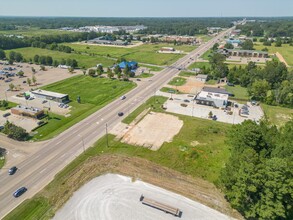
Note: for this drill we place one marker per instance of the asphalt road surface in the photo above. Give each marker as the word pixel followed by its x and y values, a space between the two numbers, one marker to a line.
pixel 40 168
pixel 112 197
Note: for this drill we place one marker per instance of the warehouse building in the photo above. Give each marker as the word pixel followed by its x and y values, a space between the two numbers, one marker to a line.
pixel 211 96
pixel 52 96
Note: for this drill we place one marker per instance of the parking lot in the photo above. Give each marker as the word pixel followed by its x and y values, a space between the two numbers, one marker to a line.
pixel 49 76
pixel 253 112
pixel 246 60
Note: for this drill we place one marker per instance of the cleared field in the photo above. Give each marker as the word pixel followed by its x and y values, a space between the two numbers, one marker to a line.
pixel 147 53
pixel 186 74
pixel 94 93
pixel 286 51
pixel 277 115
pixel 83 60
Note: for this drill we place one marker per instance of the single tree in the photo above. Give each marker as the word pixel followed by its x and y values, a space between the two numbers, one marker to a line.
pixel 29 82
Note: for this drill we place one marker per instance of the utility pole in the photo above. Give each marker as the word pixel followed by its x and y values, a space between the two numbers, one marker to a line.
pixel 107 135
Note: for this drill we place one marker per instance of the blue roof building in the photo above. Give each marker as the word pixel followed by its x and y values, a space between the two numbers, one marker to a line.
pixel 132 65
pixel 234 41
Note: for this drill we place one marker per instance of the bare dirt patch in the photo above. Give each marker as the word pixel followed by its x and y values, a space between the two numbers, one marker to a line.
pixel 192 86
pixel 153 130
pixel 281 58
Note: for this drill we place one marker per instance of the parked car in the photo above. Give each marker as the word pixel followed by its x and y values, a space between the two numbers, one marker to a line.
pixel 214 118
pixel 19 192
pixel 186 100
pixel 138 79
pixel 120 114
pixel 12 170
pixel 123 97
pixel 6 114
pixel 1 127
pixel 44 101
pixel 31 98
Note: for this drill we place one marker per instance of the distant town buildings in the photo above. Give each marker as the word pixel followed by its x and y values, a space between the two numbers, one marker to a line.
pixel 108 42
pixel 106 29
pixel 180 39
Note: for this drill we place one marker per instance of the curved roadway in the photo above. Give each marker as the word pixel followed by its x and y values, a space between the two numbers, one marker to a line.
pixel 40 168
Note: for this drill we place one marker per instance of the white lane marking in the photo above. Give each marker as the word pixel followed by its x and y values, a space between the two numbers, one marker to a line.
pixel 43 170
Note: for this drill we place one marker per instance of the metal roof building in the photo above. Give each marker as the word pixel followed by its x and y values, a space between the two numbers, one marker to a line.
pixel 53 96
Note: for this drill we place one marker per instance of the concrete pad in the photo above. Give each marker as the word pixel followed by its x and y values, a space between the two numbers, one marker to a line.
pixel 153 130
pixel 113 197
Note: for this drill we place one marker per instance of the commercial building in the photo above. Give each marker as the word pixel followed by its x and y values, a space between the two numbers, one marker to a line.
pixel 108 42
pixel 170 49
pixel 244 53
pixel 28 111
pixel 211 96
pixel 132 65
pixel 52 96
pixel 181 39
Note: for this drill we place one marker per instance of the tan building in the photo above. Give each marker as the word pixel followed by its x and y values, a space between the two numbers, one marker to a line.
pixel 27 111
pixel 181 39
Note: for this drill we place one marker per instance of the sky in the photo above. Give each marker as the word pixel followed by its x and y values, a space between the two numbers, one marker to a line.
pixel 147 8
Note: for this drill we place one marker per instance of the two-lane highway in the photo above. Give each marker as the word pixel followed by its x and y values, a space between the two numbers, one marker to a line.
pixel 40 168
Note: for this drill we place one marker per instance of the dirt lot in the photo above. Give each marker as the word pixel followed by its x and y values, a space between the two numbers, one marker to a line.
pixel 113 196
pixel 192 86
pixel 49 76
pixel 153 130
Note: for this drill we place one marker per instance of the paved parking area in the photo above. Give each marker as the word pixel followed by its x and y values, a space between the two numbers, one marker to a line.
pixel 49 76
pixel 202 111
pixel 114 197
pixel 25 122
pixel 246 60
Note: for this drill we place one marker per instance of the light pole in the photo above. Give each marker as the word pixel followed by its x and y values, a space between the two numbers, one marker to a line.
pixel 107 135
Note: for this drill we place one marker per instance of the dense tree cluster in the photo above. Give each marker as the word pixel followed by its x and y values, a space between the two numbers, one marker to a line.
pixel 278 27
pixel 15 132
pixel 258 177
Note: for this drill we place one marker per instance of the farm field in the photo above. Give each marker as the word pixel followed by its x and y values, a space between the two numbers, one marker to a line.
pixel 31 32
pixel 94 94
pixel 286 51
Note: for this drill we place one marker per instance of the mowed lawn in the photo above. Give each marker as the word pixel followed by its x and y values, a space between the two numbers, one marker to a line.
pixel 177 81
pixel 94 93
pixel 147 53
pixel 286 50
pixel 239 92
pixel 83 60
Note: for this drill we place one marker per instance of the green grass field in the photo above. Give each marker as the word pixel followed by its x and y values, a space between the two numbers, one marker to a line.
pixel 31 32
pixel 277 115
pixel 239 92
pixel 186 74
pixel 94 93
pixel 2 162
pixel 206 55
pixel 199 65
pixel 10 105
pixel 167 89
pixel 147 53
pixel 177 81
pixel 83 60
pixel 286 51
pixel 199 150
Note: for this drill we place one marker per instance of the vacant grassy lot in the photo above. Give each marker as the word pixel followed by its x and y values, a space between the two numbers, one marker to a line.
pixel 199 150
pixel 82 59
pixel 177 81
pixel 147 53
pixel 239 92
pixel 151 68
pixel 200 65
pixel 276 114
pixel 94 93
pixel 207 55
pixel 167 89
pixel 186 74
pixel 286 50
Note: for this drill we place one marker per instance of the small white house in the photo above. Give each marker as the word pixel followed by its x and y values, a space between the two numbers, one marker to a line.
pixel 201 77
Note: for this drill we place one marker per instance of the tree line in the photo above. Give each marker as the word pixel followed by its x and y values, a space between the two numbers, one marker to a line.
pixel 41 60
pixel 258 177
pixel 269 28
